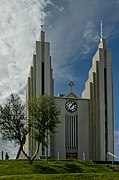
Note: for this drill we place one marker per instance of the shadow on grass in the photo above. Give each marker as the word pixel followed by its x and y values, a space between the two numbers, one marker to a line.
pixel 44 169
pixel 54 169
pixel 73 168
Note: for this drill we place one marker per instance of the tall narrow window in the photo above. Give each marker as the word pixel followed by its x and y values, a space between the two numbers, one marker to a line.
pixel 106 115
pixel 43 78
pixel 71 134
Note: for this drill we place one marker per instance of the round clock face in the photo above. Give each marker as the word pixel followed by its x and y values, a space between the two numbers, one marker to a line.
pixel 71 106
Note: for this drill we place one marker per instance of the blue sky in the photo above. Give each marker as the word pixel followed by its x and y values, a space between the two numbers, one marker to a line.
pixel 73 29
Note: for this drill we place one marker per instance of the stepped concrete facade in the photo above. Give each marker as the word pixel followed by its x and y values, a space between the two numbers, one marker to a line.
pixel 87 123
pixel 99 90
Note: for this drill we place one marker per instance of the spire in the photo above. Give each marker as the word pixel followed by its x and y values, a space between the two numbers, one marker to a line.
pixel 41 22
pixel 101 31
pixel 42 34
pixel 34 51
pixel 102 43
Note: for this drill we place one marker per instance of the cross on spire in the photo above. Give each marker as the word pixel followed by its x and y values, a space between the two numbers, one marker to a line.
pixel 71 84
pixel 101 31
pixel 42 21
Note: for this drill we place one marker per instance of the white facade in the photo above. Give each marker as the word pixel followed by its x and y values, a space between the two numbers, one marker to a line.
pixel 72 137
pixel 40 80
pixel 98 89
pixel 86 130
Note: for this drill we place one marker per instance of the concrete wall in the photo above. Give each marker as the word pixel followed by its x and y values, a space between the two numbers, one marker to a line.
pixel 59 144
pixel 83 127
pixel 40 76
pixel 98 89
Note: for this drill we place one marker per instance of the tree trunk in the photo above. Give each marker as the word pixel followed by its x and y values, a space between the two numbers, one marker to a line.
pixel 36 152
pixel 46 160
pixel 27 156
pixel 19 152
pixel 31 159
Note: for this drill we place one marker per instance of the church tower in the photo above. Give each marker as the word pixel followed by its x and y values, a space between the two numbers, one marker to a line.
pixel 40 79
pixel 99 90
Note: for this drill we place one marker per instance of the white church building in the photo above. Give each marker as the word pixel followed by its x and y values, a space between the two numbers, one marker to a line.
pixel 87 123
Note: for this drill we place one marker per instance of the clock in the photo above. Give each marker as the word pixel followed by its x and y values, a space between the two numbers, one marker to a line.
pixel 71 106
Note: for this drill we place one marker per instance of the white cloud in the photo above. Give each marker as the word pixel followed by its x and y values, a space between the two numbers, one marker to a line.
pixel 77 31
pixel 19 29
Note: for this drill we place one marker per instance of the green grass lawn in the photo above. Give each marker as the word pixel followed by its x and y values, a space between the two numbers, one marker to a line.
pixel 20 169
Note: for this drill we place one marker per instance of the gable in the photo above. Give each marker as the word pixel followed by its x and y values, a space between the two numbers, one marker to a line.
pixel 72 94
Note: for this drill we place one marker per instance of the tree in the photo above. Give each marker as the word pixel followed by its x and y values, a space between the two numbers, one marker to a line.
pixel 42 121
pixel 13 121
pixel 43 118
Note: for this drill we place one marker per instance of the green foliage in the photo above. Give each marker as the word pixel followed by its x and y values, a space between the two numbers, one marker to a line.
pixel 43 117
pixel 13 119
pixel 20 169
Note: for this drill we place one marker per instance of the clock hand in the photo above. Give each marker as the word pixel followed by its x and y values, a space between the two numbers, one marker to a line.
pixel 72 105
